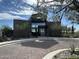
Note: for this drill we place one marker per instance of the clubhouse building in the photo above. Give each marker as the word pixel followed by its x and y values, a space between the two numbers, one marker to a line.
pixel 36 26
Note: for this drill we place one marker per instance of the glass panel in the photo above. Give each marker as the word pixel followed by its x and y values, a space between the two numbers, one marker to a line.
pixel 37 24
pixel 34 26
pixel 33 30
pixel 41 30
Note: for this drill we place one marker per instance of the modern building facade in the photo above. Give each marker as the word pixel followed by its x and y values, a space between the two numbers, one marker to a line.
pixel 0 33
pixel 36 26
pixel 21 28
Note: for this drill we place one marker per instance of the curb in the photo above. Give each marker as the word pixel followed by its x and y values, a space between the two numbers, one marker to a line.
pixel 52 54
pixel 15 41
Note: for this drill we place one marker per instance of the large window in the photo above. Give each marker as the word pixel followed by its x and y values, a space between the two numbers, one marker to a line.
pixel 35 27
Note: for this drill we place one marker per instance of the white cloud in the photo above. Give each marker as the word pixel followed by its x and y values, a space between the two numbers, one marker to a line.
pixel 23 12
pixel 4 15
pixel 70 25
pixel 31 1
pixel 9 16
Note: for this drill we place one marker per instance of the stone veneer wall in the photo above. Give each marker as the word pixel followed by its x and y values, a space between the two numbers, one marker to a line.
pixel 22 29
pixel 54 29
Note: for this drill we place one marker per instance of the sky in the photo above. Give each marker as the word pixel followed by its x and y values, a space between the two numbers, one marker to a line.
pixel 21 9
pixel 6 23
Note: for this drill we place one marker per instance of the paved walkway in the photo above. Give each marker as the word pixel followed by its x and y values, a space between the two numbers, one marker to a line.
pixel 35 49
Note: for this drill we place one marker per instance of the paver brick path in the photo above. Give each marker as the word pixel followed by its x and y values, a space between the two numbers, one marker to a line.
pixel 33 49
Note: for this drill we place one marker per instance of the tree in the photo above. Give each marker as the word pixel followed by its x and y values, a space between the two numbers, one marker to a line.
pixel 66 31
pixel 56 18
pixel 68 8
pixel 7 31
pixel 72 10
pixel 59 5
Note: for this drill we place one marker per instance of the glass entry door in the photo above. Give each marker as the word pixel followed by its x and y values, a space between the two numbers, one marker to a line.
pixel 38 29
pixel 41 30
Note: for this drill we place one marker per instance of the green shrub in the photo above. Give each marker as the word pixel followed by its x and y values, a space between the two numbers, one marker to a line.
pixel 72 58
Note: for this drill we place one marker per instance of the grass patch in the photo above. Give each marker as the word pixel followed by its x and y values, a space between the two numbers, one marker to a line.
pixel 72 58
pixel 76 49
